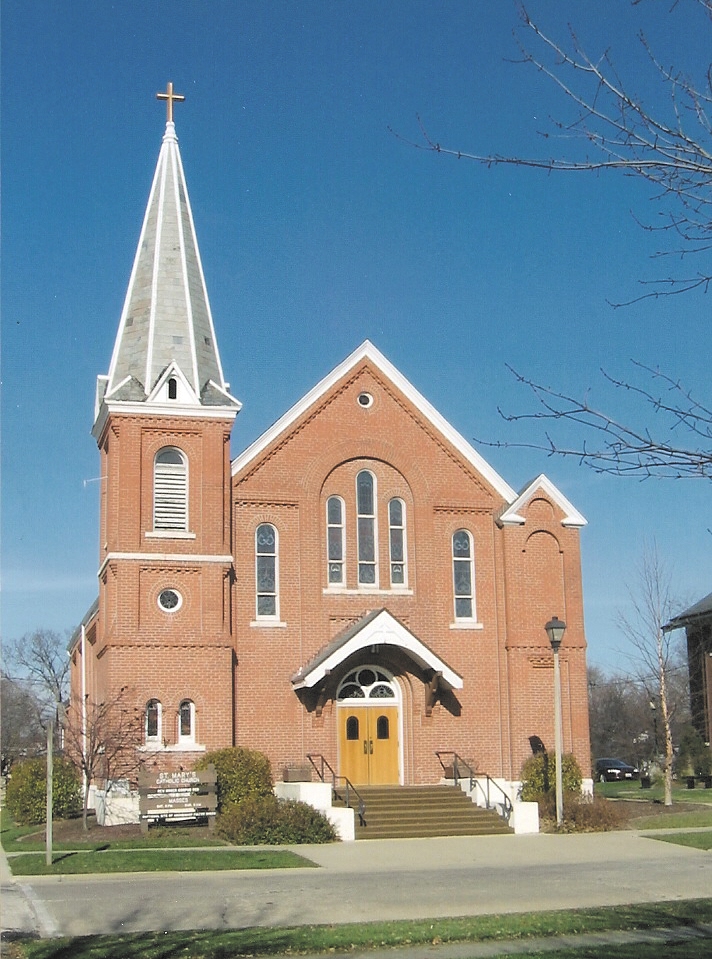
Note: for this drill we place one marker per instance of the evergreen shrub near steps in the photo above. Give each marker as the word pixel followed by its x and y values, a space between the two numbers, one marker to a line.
pixel 26 794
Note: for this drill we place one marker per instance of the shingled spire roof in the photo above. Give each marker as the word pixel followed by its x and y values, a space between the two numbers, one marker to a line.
pixel 166 328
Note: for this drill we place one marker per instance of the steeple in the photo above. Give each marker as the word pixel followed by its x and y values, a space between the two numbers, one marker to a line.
pixel 166 330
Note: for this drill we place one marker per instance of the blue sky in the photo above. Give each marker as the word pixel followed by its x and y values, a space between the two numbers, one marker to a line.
pixel 319 228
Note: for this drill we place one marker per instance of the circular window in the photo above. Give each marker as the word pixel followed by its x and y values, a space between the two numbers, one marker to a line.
pixel 365 400
pixel 170 600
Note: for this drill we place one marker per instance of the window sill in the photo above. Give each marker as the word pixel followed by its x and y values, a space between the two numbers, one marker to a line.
pixel 268 624
pixel 466 624
pixel 367 590
pixel 158 747
pixel 169 534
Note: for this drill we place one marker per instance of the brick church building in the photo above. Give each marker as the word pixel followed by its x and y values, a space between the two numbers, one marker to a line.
pixel 359 584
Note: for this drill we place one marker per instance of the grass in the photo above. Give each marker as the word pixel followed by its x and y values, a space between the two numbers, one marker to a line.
pixel 696 840
pixel 259 941
pixel 680 820
pixel 631 790
pixel 147 860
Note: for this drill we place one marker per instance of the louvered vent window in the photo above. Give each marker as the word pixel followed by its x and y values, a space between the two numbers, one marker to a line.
pixel 170 490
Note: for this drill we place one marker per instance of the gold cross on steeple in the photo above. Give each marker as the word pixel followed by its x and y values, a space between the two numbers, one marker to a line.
pixel 169 96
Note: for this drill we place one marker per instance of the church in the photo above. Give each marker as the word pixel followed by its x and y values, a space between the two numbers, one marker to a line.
pixel 357 589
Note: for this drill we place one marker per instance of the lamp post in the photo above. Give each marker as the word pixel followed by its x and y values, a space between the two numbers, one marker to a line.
pixel 555 631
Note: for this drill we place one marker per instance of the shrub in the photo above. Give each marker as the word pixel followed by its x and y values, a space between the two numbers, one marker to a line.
pixel 538 776
pixel 582 813
pixel 266 820
pixel 695 757
pixel 26 796
pixel 241 773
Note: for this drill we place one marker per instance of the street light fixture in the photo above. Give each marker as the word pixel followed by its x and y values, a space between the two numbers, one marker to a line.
pixel 555 631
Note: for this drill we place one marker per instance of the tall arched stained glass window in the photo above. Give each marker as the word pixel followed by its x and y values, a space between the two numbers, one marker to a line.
pixel 335 546
pixel 463 573
pixel 396 542
pixel 153 721
pixel 266 570
pixel 366 529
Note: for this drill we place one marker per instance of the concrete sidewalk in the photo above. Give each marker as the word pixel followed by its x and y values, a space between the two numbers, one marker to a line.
pixel 367 881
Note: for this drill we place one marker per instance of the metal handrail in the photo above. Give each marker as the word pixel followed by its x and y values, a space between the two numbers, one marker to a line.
pixel 348 785
pixel 459 765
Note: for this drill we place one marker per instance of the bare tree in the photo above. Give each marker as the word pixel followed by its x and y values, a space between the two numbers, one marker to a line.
pixel 41 658
pixel 21 728
pixel 102 742
pixel 669 146
pixel 650 608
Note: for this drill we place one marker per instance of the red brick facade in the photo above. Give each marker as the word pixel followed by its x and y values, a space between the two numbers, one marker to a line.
pixel 358 585
pixel 237 667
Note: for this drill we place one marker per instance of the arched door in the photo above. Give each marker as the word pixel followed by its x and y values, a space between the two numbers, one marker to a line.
pixel 368 717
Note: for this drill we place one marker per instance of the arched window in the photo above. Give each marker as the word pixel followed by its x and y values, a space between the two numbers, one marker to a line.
pixel 186 721
pixel 172 388
pixel 170 490
pixel 352 728
pixel 266 570
pixel 463 574
pixel 366 529
pixel 396 542
pixel 335 540
pixel 153 721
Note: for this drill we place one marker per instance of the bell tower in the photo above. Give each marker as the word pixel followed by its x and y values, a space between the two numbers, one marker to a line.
pixel 163 418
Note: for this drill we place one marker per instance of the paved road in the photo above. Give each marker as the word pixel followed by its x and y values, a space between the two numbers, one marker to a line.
pixel 388 879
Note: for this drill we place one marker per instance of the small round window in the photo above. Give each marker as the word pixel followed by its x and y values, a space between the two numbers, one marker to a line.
pixel 365 400
pixel 170 600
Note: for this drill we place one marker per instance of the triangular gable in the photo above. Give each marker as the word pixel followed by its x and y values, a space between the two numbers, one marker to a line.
pixel 185 392
pixel 377 628
pixel 512 515
pixel 367 351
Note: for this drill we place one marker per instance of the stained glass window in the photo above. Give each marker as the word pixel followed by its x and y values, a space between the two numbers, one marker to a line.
pixel 266 569
pixel 366 528
pixel 463 574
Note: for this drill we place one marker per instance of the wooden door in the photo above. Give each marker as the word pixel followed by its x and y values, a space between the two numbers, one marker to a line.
pixel 369 744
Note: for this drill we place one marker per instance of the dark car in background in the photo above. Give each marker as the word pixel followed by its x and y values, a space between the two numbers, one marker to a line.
pixel 611 770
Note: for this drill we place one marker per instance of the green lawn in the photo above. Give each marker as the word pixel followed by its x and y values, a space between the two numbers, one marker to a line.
pixel 632 790
pixel 147 860
pixel 697 840
pixel 345 938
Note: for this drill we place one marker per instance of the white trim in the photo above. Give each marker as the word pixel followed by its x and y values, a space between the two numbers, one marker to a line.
pixel 367 351
pixel 267 622
pixel 169 534
pixel 343 591
pixel 512 516
pixel 165 558
pixel 382 630
pixel 466 624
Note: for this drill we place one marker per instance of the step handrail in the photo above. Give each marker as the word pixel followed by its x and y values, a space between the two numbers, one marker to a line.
pixel 460 765
pixel 323 765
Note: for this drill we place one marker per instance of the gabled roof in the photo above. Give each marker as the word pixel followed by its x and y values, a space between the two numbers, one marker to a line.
pixel 512 515
pixel 368 352
pixel 701 610
pixel 166 317
pixel 377 628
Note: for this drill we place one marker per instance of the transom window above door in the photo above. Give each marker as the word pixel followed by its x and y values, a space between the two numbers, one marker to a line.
pixel 366 682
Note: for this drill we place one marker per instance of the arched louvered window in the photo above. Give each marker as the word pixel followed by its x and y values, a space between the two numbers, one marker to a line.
pixel 463 573
pixel 396 542
pixel 170 490
pixel 366 529
pixel 335 545
pixel 266 570
pixel 153 721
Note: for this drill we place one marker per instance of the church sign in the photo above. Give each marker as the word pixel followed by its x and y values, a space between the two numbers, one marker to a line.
pixel 178 796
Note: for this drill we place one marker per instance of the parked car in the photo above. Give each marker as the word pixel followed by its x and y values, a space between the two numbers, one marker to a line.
pixel 610 770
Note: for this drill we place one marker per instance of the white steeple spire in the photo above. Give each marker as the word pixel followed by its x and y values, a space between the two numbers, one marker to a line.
pixel 166 319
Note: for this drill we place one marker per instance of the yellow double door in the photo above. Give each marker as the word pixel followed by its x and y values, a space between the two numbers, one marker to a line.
pixel 368 744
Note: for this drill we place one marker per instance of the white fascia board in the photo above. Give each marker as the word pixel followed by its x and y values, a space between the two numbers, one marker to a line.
pixel 384 630
pixel 367 351
pixel 189 558
pixel 512 516
pixel 119 408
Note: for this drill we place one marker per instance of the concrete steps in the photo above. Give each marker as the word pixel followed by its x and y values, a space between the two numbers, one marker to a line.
pixel 400 812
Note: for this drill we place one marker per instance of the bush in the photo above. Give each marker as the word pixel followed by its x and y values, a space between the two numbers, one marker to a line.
pixel 695 756
pixel 26 796
pixel 582 813
pixel 242 774
pixel 267 820
pixel 538 776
